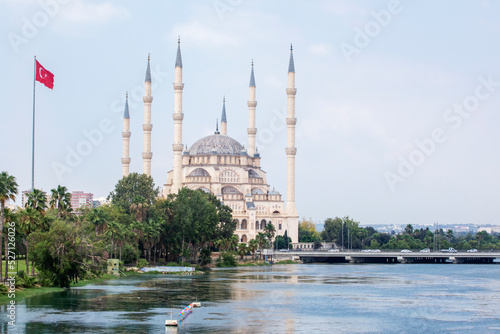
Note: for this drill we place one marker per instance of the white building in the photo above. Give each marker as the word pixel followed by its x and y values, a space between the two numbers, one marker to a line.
pixel 220 165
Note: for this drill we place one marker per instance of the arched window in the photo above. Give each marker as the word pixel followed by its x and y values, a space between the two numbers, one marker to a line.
pixel 237 224
pixel 229 176
pixel 244 238
pixel 262 224
pixel 244 224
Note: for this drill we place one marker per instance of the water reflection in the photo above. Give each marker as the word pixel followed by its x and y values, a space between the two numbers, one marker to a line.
pixel 279 299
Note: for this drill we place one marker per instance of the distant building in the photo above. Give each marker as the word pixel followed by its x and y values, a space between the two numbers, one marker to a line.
pixel 491 229
pixel 80 199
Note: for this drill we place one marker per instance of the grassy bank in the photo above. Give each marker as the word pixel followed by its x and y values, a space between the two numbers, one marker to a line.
pixel 22 293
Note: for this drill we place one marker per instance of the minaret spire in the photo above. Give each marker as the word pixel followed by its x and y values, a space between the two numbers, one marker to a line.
pixel 126 140
pixel 252 104
pixel 217 127
pixel 178 117
pixel 291 150
pixel 223 119
pixel 147 126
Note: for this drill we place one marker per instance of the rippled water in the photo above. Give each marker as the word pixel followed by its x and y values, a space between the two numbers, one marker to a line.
pixel 302 298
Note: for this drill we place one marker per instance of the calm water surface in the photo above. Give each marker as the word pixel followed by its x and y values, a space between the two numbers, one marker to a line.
pixel 302 298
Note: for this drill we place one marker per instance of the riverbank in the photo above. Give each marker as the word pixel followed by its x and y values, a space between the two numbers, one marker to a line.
pixel 22 293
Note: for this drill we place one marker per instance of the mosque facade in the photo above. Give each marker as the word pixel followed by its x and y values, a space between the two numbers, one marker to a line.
pixel 220 165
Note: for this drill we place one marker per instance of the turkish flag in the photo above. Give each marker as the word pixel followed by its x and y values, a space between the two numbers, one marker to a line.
pixel 44 76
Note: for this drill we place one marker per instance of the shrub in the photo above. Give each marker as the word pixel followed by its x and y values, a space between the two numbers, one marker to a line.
pixel 129 253
pixel 227 259
pixel 142 263
pixel 3 289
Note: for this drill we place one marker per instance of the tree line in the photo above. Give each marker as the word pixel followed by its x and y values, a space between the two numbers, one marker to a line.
pixel 136 227
pixel 347 234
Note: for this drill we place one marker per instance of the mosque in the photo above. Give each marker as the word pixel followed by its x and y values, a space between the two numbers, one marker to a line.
pixel 220 165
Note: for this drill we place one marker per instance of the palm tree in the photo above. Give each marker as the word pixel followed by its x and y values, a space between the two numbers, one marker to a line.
pixel 37 200
pixel 152 232
pixel 409 229
pixel 29 219
pixel 449 234
pixel 99 219
pixel 252 247
pixel 10 218
pixel 261 240
pixel 242 249
pixel 233 242
pixel 270 231
pixel 61 199
pixel 139 207
pixel 8 190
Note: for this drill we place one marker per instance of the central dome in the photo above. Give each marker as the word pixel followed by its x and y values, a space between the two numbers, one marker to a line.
pixel 216 144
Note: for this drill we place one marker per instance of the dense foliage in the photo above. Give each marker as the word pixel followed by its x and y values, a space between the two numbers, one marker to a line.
pixel 346 233
pixel 137 228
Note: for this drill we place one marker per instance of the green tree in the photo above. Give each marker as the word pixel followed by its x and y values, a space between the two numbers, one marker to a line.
pixel 242 249
pixel 8 191
pixel 449 234
pixel 270 231
pixel 232 243
pixel 281 242
pixel 262 241
pixel 131 187
pixel 409 229
pixel 332 231
pixel 99 218
pixel 252 247
pixel 37 200
pixel 61 200
pixel 196 218
pixel 29 220
pixel 66 253
pixel 307 231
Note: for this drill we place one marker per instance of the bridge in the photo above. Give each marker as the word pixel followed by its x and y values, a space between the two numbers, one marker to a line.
pixel 390 257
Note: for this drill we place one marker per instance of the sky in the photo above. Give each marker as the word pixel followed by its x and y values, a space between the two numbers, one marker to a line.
pixel 397 101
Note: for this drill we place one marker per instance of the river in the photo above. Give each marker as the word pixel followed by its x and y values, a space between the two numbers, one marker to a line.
pixel 301 298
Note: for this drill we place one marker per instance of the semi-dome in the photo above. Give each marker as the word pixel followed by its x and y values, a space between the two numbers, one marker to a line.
pixel 216 144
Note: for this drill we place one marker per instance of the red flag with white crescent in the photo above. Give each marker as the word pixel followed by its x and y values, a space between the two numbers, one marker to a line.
pixel 44 76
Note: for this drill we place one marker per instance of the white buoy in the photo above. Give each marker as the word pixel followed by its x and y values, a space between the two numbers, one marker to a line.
pixel 196 304
pixel 170 322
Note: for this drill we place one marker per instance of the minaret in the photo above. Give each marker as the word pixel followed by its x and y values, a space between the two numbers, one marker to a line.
pixel 147 126
pixel 290 207
pixel 223 119
pixel 178 117
pixel 252 130
pixel 126 141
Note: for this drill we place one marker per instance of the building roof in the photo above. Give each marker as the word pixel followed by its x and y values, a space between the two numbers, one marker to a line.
pixel 199 172
pixel 216 144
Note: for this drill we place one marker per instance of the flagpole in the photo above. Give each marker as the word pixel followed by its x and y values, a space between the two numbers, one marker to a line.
pixel 33 138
